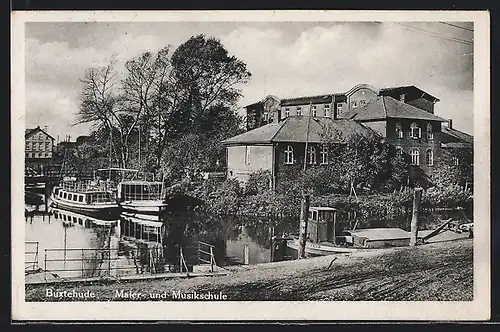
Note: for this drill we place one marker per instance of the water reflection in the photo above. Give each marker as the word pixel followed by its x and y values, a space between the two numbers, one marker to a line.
pixel 75 245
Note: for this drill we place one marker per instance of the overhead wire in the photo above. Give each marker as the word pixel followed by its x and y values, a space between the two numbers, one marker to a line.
pixel 436 35
pixel 457 26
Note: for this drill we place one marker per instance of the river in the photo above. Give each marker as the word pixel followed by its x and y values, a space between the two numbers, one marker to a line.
pixel 237 240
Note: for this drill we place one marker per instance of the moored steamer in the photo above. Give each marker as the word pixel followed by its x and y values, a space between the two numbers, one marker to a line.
pixel 88 197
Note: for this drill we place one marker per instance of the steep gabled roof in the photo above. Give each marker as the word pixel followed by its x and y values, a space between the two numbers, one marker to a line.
pixel 385 107
pixel 29 131
pixel 294 130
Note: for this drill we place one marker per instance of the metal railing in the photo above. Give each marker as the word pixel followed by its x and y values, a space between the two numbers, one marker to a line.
pixel 31 263
pixel 74 263
pixel 112 262
pixel 88 185
pixel 149 196
pixel 206 255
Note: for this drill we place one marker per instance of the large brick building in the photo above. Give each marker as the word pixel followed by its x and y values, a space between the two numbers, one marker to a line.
pixel 403 116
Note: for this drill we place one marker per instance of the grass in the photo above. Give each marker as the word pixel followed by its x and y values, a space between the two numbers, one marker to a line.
pixel 434 272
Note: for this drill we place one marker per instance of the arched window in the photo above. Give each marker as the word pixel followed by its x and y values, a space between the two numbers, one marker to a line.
pixel 415 157
pixel 399 151
pixel 324 155
pixel 430 134
pixel 429 157
pixel 399 130
pixel 415 131
pixel 311 151
pixel 289 154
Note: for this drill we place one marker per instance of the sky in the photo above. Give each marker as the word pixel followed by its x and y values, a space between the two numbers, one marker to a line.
pixel 286 59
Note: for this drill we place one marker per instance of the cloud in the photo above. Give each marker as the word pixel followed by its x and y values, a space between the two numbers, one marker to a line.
pixel 326 59
pixel 285 60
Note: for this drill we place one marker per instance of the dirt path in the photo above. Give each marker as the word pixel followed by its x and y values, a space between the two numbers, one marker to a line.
pixel 441 271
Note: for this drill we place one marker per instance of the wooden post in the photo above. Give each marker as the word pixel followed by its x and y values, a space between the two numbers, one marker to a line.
pixel 414 219
pixel 304 215
pixel 272 243
pixel 246 255
pixel 212 259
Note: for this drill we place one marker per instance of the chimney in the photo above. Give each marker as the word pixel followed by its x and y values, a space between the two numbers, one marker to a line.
pixel 450 123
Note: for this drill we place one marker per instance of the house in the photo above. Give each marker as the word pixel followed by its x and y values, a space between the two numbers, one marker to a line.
pixel 403 116
pixel 279 146
pixel 39 148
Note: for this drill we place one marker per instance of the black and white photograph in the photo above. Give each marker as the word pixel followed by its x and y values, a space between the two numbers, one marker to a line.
pixel 260 165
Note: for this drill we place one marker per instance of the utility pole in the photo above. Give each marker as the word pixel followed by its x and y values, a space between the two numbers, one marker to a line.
pixel 414 218
pixel 304 206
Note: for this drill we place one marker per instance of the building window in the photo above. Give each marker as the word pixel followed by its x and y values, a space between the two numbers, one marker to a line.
pixel 327 110
pixel 415 131
pixel 28 145
pixel 40 136
pixel 266 116
pixel 399 130
pixel 311 151
pixel 287 112
pixel 399 151
pixel 324 155
pixel 402 97
pixel 455 161
pixel 289 155
pixel 429 157
pixel 415 157
pixel 299 111
pixel 339 109
pixel 313 111
pixel 247 155
pixel 30 155
pixel 430 134
pixel 354 104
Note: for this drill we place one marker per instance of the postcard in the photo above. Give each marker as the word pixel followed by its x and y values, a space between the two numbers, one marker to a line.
pixel 250 165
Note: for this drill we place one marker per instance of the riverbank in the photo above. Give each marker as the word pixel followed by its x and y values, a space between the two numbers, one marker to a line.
pixel 439 271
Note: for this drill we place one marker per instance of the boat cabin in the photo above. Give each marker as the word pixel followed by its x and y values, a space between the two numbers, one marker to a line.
pixel 321 224
pixel 141 191
pixel 89 197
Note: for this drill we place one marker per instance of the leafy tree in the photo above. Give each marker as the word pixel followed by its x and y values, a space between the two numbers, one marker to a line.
pixel 454 167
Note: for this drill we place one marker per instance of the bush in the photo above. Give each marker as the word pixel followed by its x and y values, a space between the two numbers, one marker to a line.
pixel 258 183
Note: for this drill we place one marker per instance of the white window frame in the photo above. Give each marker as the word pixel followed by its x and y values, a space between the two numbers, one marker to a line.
pixel 287 112
pixel 311 154
pixel 429 161
pixel 430 134
pixel 266 116
pixel 299 111
pixel 327 109
pixel 455 161
pixel 415 157
pixel 399 130
pixel 314 111
pixel 414 126
pixel 400 151
pixel 289 155
pixel 324 155
pixel 247 155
